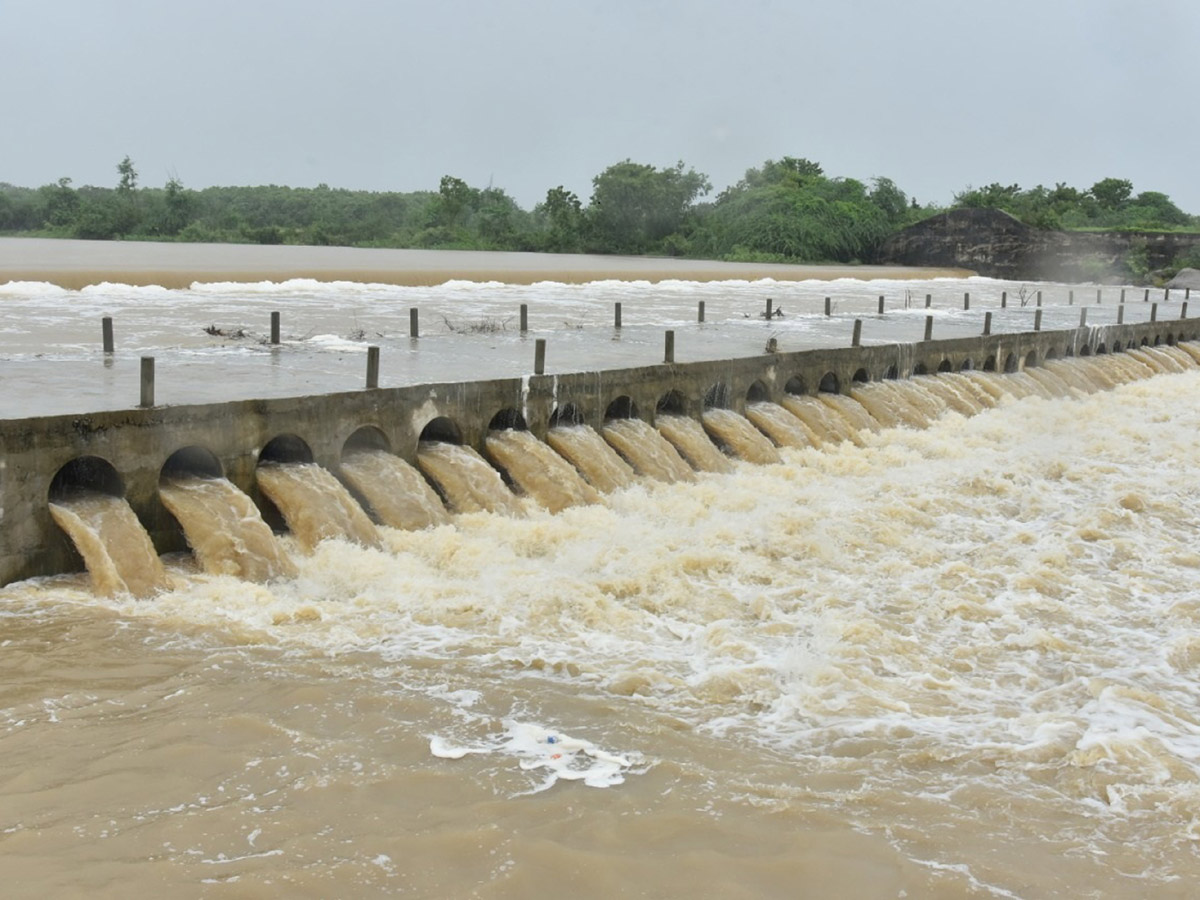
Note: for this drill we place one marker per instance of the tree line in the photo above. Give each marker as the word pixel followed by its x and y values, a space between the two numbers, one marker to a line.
pixel 785 210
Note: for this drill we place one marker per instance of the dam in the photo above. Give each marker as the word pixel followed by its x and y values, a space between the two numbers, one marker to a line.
pixel 946 647
pixel 707 411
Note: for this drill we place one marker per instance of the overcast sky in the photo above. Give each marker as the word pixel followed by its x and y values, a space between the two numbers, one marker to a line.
pixel 530 94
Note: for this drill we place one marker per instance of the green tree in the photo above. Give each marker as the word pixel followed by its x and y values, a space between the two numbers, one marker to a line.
pixel 635 207
pixel 128 183
pixel 788 210
pixel 61 203
pixel 1111 193
pixel 127 212
pixel 456 199
pixel 561 215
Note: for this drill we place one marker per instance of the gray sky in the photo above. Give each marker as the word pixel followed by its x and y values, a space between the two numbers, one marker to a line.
pixel 529 94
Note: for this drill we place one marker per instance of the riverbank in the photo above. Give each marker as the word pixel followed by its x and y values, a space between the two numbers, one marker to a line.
pixel 76 264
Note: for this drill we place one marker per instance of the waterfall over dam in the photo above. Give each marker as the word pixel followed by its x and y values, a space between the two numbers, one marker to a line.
pixel 166 480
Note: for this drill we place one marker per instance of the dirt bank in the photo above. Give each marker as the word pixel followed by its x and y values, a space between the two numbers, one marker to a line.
pixel 76 264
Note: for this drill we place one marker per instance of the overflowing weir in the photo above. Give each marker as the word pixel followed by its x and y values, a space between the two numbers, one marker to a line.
pixel 114 490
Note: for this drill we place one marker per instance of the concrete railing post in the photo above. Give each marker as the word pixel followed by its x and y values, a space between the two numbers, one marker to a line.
pixel 856 338
pixel 1122 300
pixel 106 334
pixel 616 315
pixel 274 328
pixel 987 323
pixel 1099 294
pixel 1037 320
pixel 928 300
pixel 1070 298
pixel 1153 312
pixel 1183 310
pixel 881 305
pixel 700 311
pixel 829 306
pixel 1039 298
pixel 1082 316
pixel 1004 299
pixel 669 347
pixel 929 328
pixel 414 325
pixel 539 356
pixel 372 367
pixel 966 301
pixel 1121 314
pixel 1146 296
pixel 770 311
pixel 524 317
pixel 147 381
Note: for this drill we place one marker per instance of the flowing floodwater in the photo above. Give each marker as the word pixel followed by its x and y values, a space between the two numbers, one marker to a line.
pixel 942 661
pixel 395 490
pixel 315 504
pixel 538 470
pixel 113 543
pixel 224 529
pixel 599 463
pixel 689 438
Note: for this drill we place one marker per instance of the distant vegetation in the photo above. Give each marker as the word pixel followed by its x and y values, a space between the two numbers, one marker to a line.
pixel 785 210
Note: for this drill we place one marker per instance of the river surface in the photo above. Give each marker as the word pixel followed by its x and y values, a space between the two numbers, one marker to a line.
pixel 211 340
pixel 952 662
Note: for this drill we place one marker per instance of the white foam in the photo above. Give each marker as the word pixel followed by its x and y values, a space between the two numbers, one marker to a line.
pixel 553 755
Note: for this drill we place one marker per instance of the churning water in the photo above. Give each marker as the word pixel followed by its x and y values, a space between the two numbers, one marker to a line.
pixel 951 654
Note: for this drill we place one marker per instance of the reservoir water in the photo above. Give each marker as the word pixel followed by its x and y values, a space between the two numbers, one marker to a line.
pixel 950 654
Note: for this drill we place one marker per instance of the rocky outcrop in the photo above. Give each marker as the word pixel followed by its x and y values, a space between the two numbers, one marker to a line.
pixel 1185 278
pixel 996 244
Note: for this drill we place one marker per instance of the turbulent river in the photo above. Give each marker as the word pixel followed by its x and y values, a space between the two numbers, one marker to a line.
pixel 942 661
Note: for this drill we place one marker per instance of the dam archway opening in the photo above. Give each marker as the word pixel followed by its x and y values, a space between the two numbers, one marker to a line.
pixel 717 396
pixel 671 404
pixel 621 408
pixel 286 448
pixel 758 393
pixel 1031 360
pixel 989 364
pixel 829 384
pixel 944 366
pixel 441 430
pixel 892 373
pixel 191 462
pixel 1011 364
pixel 919 369
pixel 366 439
pixel 968 365
pixel 566 414
pixel 861 377
pixel 508 420
pixel 86 474
pixel 795 385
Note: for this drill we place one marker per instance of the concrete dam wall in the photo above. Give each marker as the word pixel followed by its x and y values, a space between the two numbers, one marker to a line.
pixel 128 452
